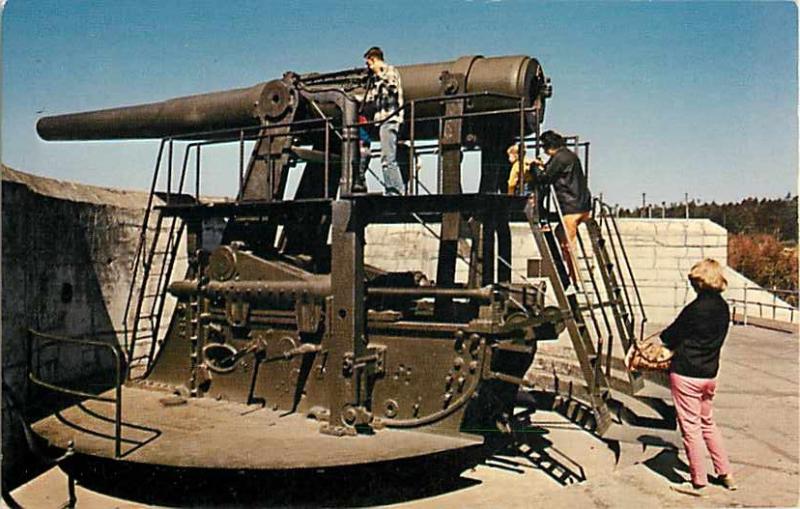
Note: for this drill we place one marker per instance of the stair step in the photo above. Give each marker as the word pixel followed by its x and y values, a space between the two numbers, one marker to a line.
pixel 593 306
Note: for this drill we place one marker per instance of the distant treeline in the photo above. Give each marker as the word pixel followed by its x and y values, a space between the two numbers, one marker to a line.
pixel 766 261
pixel 762 240
pixel 776 217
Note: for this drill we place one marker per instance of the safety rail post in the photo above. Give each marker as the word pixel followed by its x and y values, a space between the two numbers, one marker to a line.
pixel 169 169
pixel 197 173
pixel 241 161
pixel 327 156
pixel 270 185
pixel 521 150
pixel 184 166
pixel 744 318
pixel 774 302
pixel 117 399
pixel 439 176
pixel 586 162
pixel 412 156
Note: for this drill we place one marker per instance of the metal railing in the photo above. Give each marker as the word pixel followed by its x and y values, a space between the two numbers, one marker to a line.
pixel 331 126
pixel 766 310
pixel 746 303
pixel 118 355
pixel 626 277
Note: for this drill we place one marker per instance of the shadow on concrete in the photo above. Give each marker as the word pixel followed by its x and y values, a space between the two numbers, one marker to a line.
pixel 669 465
pixel 356 486
pixel 529 448
pixel 29 459
pixel 129 445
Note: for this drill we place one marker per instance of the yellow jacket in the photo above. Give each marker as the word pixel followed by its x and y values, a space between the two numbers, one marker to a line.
pixel 513 176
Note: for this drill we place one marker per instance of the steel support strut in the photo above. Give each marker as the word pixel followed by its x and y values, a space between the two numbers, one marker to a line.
pixel 347 340
pixel 450 141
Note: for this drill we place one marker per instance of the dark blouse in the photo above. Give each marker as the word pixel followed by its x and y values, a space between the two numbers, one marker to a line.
pixel 696 336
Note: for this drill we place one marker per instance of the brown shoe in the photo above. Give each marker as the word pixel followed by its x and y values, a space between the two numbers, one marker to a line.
pixel 728 481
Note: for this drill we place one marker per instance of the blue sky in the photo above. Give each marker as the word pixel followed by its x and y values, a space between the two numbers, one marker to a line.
pixel 675 97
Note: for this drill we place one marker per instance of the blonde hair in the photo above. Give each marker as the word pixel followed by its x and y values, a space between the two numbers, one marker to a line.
pixel 707 275
pixel 513 149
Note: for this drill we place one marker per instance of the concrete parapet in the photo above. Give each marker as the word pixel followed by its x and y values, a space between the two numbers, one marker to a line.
pixel 660 251
pixel 68 251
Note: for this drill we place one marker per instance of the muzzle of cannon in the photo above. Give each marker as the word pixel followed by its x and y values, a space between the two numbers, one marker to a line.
pixel 505 81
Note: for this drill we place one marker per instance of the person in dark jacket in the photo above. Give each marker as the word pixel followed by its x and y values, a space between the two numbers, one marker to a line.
pixel 565 173
pixel 696 336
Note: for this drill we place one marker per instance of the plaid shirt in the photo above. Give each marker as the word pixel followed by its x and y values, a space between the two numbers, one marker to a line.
pixel 387 94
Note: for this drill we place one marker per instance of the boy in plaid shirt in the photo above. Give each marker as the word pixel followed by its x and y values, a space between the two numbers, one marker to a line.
pixel 386 96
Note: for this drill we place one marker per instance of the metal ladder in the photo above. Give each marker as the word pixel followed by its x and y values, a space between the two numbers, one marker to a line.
pixel 588 354
pixel 601 307
pixel 152 268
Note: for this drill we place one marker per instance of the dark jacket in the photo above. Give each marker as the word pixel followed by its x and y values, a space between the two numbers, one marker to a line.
pixel 565 173
pixel 696 336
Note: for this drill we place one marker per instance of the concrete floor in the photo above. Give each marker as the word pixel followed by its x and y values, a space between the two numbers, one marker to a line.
pixel 756 407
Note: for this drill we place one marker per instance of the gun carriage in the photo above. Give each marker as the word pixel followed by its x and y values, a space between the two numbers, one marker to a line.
pixel 339 362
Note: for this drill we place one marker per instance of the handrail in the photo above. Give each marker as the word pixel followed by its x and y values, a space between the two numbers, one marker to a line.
pixel 117 399
pixel 236 130
pixel 407 105
pixel 630 273
pixel 604 220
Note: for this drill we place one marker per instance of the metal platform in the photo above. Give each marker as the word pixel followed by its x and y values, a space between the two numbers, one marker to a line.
pixel 379 208
pixel 205 433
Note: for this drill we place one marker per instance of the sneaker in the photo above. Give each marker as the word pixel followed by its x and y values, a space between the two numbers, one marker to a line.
pixel 695 490
pixel 728 482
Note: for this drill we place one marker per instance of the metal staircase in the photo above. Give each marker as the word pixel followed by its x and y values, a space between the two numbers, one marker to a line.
pixel 152 268
pixel 599 307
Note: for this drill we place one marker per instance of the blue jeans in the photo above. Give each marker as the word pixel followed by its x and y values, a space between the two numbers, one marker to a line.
pixel 392 178
pixel 363 165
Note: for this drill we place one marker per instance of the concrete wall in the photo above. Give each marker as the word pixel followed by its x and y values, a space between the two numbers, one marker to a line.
pixel 661 252
pixel 68 250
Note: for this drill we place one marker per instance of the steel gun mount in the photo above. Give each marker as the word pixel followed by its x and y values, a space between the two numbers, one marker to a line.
pixel 277 314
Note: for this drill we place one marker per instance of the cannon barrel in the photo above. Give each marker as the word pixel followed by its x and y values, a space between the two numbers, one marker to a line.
pixel 517 76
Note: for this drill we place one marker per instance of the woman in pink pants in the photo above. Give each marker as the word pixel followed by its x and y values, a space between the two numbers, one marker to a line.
pixel 696 337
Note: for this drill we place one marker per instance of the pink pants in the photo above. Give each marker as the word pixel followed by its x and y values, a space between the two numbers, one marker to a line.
pixel 692 398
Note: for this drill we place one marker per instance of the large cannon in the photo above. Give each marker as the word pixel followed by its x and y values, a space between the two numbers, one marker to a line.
pixel 282 332
pixel 510 78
